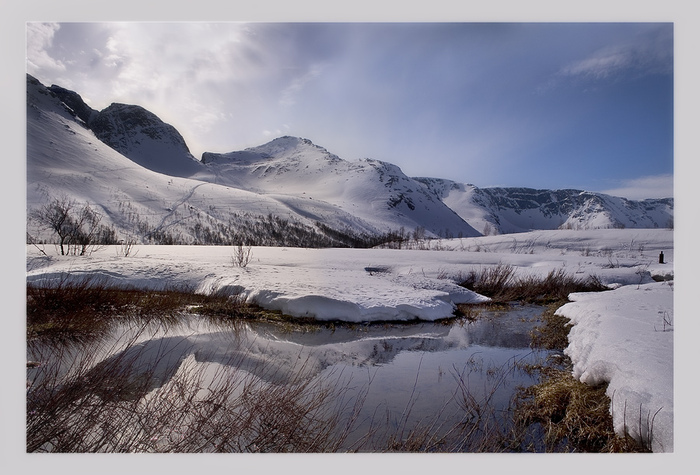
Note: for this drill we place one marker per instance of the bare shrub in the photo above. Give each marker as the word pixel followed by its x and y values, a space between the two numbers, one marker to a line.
pixel 666 322
pixel 126 247
pixel 78 228
pixel 241 255
pixel 490 280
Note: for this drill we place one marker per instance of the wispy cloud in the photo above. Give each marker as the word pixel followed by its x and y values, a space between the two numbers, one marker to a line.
pixel 39 39
pixel 290 93
pixel 650 53
pixel 660 186
pixel 432 98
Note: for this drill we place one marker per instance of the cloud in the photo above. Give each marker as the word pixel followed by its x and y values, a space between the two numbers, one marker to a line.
pixel 39 39
pixel 290 93
pixel 457 93
pixel 659 186
pixel 648 53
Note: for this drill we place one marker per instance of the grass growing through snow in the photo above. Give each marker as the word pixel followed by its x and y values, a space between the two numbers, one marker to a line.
pixel 567 414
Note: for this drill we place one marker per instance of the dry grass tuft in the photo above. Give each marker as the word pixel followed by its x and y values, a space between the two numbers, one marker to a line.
pixel 553 332
pixel 500 283
pixel 572 415
pixel 569 412
pixel 77 311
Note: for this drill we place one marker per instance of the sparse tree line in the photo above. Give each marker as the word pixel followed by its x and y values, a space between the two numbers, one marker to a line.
pixel 418 239
pixel 78 229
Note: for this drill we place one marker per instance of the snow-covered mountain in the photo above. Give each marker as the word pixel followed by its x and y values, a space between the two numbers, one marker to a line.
pixel 66 161
pixel 138 172
pixel 135 133
pixel 292 168
pixel 513 210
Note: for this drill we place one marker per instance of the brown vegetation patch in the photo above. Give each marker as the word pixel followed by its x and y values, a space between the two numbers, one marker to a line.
pixel 80 310
pixel 500 283
pixel 553 331
pixel 571 415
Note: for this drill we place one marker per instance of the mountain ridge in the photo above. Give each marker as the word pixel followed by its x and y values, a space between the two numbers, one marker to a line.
pixel 295 166
pixel 504 210
pixel 134 132
pixel 127 160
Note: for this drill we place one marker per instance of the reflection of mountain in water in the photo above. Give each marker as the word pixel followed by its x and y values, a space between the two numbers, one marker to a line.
pixel 280 357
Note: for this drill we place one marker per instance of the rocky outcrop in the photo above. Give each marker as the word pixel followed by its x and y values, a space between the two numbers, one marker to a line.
pixel 75 103
pixel 143 137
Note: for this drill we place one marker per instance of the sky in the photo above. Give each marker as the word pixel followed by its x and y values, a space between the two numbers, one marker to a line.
pixel 542 105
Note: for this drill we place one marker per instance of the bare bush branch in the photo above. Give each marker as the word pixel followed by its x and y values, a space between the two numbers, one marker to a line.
pixel 241 255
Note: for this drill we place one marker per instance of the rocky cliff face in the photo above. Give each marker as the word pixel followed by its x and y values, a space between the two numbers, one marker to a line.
pixel 134 132
pixel 75 102
pixel 509 210
pixel 141 136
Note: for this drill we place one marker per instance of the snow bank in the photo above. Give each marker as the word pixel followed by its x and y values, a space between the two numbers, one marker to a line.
pixel 326 284
pixel 624 337
pixel 342 284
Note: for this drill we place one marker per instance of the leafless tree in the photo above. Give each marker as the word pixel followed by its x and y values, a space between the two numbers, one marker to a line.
pixel 77 227
pixel 56 216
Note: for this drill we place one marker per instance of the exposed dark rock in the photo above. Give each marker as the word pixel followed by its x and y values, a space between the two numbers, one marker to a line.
pixel 75 102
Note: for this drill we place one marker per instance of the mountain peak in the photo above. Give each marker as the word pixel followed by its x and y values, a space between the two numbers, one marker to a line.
pixel 285 148
pixel 286 145
pixel 142 136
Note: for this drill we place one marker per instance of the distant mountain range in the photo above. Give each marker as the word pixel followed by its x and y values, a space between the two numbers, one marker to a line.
pixel 512 210
pixel 138 172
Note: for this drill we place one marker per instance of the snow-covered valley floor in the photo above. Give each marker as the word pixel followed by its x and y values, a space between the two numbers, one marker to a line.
pixel 624 337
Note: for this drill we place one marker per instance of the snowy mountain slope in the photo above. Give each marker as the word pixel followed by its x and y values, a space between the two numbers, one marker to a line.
pixel 135 133
pixel 66 159
pixel 375 191
pixel 369 196
pixel 512 210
